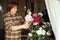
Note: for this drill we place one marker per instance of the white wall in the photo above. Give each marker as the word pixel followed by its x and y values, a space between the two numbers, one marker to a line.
pixel 54 15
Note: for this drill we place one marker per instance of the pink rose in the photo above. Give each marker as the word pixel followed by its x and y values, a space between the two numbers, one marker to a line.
pixel 35 15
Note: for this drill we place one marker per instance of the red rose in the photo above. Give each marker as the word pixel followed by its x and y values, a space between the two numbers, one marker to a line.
pixel 36 20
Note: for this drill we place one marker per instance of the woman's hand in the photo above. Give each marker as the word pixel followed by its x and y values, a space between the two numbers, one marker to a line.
pixel 24 26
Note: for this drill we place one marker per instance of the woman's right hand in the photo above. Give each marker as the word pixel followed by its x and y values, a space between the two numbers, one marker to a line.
pixel 26 26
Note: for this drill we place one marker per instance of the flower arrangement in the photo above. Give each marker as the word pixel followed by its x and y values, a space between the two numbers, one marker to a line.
pixel 28 17
pixel 39 29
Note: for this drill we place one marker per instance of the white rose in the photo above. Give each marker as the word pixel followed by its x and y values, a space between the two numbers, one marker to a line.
pixel 48 33
pixel 43 32
pixel 40 28
pixel 30 34
pixel 48 23
pixel 35 23
pixel 43 26
pixel 38 32
pixel 40 14
pixel 44 22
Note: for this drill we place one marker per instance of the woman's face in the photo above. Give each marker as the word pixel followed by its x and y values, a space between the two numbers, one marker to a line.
pixel 14 10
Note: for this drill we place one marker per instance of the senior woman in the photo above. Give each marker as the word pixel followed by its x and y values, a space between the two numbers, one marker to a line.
pixel 13 22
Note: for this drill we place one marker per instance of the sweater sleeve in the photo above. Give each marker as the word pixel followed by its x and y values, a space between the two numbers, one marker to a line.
pixel 7 22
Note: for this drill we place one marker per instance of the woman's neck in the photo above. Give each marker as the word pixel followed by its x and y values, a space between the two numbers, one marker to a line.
pixel 13 14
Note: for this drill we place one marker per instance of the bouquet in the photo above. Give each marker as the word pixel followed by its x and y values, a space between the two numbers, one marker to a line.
pixel 39 29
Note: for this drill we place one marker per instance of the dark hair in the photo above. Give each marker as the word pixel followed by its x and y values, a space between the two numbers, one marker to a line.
pixel 11 5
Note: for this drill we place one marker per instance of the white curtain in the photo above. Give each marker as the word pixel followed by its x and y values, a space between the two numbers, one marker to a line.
pixel 54 15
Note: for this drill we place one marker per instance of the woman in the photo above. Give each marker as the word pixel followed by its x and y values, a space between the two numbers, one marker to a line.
pixel 13 22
